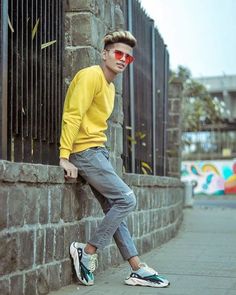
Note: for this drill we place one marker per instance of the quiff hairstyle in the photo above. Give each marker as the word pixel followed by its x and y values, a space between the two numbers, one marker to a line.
pixel 119 37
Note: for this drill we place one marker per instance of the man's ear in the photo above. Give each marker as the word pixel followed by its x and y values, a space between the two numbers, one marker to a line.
pixel 103 54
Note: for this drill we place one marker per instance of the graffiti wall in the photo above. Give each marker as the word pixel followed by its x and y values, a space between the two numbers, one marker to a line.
pixel 215 177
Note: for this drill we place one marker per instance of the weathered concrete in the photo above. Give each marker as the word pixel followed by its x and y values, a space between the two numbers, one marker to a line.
pixel 199 260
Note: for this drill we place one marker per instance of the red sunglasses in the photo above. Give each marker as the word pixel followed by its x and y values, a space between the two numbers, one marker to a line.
pixel 120 54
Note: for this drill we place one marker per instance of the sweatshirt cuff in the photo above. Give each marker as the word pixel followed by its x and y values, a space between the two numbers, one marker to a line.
pixel 64 153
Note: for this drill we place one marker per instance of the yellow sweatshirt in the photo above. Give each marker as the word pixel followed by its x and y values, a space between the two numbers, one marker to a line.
pixel 88 104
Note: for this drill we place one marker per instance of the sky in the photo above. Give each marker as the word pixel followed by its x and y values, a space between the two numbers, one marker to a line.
pixel 199 34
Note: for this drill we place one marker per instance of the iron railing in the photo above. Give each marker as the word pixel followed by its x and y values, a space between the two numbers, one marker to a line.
pixel 145 89
pixel 34 94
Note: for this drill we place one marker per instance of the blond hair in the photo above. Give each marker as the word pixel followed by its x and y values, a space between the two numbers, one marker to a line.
pixel 119 37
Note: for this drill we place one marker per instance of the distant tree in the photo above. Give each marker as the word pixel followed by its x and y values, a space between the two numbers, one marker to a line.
pixel 198 106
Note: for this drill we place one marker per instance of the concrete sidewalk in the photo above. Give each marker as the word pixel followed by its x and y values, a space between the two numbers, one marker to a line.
pixel 201 260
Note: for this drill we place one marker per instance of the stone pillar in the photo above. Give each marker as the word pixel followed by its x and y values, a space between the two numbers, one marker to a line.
pixel 86 22
pixel 174 129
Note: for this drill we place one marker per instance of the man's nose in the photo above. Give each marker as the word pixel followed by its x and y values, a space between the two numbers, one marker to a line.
pixel 123 57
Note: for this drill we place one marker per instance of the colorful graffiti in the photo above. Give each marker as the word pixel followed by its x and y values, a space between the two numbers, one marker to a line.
pixel 216 177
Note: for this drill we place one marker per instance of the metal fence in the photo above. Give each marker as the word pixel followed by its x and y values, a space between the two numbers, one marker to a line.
pixel 31 101
pixel 145 97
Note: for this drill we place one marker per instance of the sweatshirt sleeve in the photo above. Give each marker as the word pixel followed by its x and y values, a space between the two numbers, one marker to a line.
pixel 78 99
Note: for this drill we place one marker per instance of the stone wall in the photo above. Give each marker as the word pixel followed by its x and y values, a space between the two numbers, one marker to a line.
pixel 86 22
pixel 40 215
pixel 174 129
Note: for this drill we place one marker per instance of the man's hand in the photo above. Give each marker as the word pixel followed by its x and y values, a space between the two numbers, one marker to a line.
pixel 70 169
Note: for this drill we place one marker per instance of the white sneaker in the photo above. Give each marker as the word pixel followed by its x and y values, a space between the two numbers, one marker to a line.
pixel 146 276
pixel 84 263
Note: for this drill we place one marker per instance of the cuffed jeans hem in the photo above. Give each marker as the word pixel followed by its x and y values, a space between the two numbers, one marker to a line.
pixel 128 254
pixel 98 246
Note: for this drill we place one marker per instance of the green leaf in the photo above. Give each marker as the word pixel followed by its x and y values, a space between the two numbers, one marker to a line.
pixel 145 165
pixel 48 44
pixel 34 31
pixel 144 170
pixel 10 25
pixel 130 138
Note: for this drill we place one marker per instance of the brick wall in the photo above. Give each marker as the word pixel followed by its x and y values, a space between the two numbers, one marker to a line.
pixel 40 215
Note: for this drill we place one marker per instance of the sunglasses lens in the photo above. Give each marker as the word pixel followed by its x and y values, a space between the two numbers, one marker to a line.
pixel 118 54
pixel 129 59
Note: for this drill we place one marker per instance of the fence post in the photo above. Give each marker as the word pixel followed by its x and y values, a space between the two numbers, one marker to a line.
pixel 3 77
pixel 154 104
pixel 131 81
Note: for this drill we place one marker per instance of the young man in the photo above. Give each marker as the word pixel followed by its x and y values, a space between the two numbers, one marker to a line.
pixel 88 104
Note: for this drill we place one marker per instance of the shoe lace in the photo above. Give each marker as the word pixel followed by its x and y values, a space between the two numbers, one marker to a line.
pixel 93 262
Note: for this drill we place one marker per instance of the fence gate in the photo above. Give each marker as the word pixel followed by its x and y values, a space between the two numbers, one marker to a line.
pixel 31 93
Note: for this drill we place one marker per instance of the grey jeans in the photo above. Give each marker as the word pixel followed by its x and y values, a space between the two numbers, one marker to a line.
pixel 116 198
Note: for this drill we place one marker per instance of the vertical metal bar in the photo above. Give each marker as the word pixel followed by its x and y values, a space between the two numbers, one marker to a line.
pixel 52 76
pixel 3 78
pixel 131 89
pixel 165 106
pixel 154 99
pixel 11 71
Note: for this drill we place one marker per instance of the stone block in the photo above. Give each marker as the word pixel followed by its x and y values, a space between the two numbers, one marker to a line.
pixel 68 41
pixel 43 281
pixel 119 17
pixel 147 243
pixel 54 276
pixel 173 120
pixel 55 174
pixel 59 243
pixel 116 257
pixel 3 208
pixel 16 206
pixel 40 246
pixel 55 197
pixel 70 235
pixel 33 172
pixel 49 247
pixel 9 258
pixel 11 171
pixel 79 58
pixel 43 206
pixel 16 282
pixel 30 283
pixel 109 14
pixel 117 115
pixel 82 5
pixel 66 272
pixel 5 287
pixel 66 206
pixel 175 89
pixel 31 205
pixel 26 250
pixel 83 29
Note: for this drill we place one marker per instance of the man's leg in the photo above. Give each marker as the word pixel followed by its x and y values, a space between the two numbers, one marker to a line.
pixel 94 166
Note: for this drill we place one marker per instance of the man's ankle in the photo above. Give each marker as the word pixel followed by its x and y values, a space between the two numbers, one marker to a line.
pixel 89 249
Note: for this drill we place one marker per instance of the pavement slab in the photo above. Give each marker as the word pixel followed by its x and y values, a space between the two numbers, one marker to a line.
pixel 200 260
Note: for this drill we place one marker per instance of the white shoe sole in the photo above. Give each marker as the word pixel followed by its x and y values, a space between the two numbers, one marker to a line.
pixel 138 282
pixel 74 254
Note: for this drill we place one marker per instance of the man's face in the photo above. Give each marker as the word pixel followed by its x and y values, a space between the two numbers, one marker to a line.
pixel 117 56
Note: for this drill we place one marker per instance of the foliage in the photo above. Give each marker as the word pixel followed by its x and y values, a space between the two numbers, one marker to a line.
pixel 198 106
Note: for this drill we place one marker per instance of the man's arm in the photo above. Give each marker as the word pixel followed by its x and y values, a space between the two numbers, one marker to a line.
pixel 78 100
